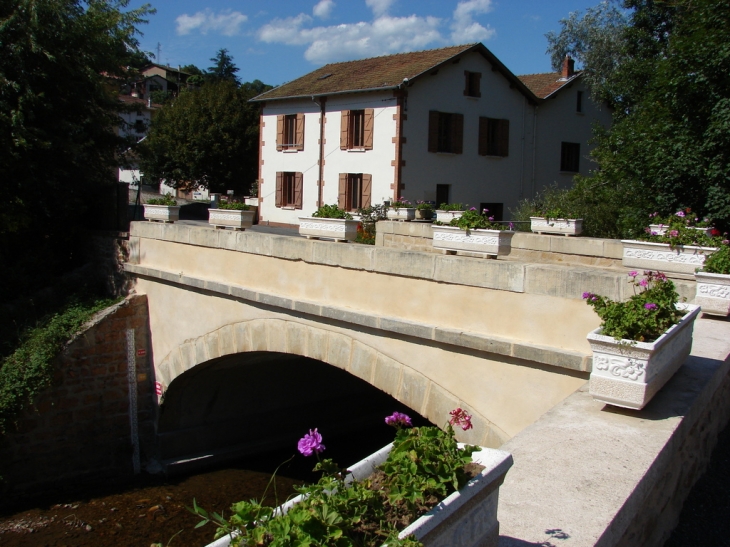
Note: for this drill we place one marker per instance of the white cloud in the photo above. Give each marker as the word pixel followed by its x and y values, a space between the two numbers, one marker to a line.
pixel 464 28
pixel 286 31
pixel 226 22
pixel 379 7
pixel 323 9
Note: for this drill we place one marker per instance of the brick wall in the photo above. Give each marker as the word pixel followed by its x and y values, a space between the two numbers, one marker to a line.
pixel 79 428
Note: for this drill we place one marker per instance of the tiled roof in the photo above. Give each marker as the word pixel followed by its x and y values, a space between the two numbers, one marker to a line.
pixel 385 72
pixel 128 99
pixel 546 84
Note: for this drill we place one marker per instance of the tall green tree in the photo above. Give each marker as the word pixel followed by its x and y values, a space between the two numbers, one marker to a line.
pixel 207 136
pixel 224 67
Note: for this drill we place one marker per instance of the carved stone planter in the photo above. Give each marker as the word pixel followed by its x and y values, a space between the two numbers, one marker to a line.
pixel 564 226
pixel 231 218
pixel 402 213
pixel 162 213
pixel 447 216
pixel 628 374
pixel 683 259
pixel 466 517
pixel 451 240
pixel 338 229
pixel 713 293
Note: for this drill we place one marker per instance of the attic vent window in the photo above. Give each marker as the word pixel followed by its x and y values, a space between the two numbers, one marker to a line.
pixel 324 76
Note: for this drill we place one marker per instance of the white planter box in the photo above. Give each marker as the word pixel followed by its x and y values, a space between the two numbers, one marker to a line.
pixel 162 213
pixel 628 374
pixel 644 255
pixel 661 229
pixel 566 226
pixel 338 229
pixel 713 293
pixel 230 218
pixel 402 213
pixel 451 239
pixel 447 216
pixel 466 517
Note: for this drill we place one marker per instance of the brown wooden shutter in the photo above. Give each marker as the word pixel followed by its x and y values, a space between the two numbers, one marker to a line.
pixel 466 83
pixel 279 188
pixel 367 189
pixel 279 133
pixel 298 187
pixel 433 131
pixel 369 120
pixel 344 129
pixel 342 191
pixel 457 136
pixel 478 77
pixel 483 136
pixel 300 132
pixel 503 137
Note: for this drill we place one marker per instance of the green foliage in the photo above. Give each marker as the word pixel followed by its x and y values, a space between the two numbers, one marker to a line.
pixel 369 217
pixel 28 370
pixel 401 203
pixel 474 220
pixel 424 206
pixel 452 207
pixel 167 199
pixel 551 203
pixel 681 228
pixel 234 206
pixel 331 211
pixel 645 316
pixel 207 136
pixel 719 261
pixel 224 69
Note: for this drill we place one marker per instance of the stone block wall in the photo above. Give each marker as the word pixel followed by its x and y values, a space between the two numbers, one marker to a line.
pixel 78 429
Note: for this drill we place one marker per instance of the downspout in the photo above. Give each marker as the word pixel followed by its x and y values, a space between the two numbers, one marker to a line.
pixel 321 104
pixel 522 158
pixel 534 148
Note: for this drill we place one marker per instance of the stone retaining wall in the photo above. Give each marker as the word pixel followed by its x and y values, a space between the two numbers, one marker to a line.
pixel 78 430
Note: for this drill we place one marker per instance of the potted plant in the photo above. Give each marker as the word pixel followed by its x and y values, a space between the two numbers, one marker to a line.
pixel 641 342
pixel 684 218
pixel 423 488
pixel 713 282
pixel 449 211
pixel 369 217
pixel 474 232
pixel 401 209
pixel 164 209
pixel 556 221
pixel 424 210
pixel 329 221
pixel 677 247
pixel 231 214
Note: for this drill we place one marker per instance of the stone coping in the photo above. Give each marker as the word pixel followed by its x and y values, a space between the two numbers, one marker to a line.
pixel 499 346
pixel 590 474
pixel 522 277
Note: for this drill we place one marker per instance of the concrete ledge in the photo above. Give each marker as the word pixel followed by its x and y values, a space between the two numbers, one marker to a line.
pixel 556 357
pixel 592 475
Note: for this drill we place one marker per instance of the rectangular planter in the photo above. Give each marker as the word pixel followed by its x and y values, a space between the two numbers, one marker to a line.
pixel 713 293
pixel 645 255
pixel 564 226
pixel 231 218
pixel 466 517
pixel 338 229
pixel 402 213
pixel 451 239
pixel 628 374
pixel 162 213
pixel 447 216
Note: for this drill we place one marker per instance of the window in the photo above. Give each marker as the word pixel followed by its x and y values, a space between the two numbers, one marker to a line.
pixel 579 102
pixel 140 126
pixel 290 132
pixel 442 194
pixel 471 87
pixel 570 157
pixel 493 137
pixel 356 129
pixel 494 210
pixel 445 132
pixel 354 191
pixel 289 189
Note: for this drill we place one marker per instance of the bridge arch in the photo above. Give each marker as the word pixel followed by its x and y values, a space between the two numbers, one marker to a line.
pixel 405 384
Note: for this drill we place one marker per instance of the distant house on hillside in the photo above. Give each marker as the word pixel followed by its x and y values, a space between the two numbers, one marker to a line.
pixel 444 125
pixel 135 123
pixel 156 77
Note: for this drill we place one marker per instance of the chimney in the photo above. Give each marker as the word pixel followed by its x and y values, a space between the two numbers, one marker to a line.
pixel 568 69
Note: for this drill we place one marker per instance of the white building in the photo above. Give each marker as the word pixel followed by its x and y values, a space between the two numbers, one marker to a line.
pixel 445 125
pixel 136 120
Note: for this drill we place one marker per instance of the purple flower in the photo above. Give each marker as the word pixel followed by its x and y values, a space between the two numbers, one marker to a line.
pixel 511 226
pixel 398 420
pixel 311 443
pixel 485 210
pixel 472 208
pixel 633 273
pixel 491 219
pixel 673 233
pixel 461 418
pixel 653 233
pixel 650 306
pixel 680 214
pixel 587 295
pixel 643 283
pixel 726 241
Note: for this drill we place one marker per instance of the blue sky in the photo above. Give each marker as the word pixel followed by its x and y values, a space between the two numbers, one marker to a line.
pixel 278 41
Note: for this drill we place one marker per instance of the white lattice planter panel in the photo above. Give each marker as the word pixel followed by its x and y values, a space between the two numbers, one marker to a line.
pixel 466 517
pixel 713 293
pixel 402 213
pixel 487 242
pixel 565 226
pixel 645 255
pixel 628 374
pixel 331 228
pixel 230 218
pixel 162 213
pixel 447 216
